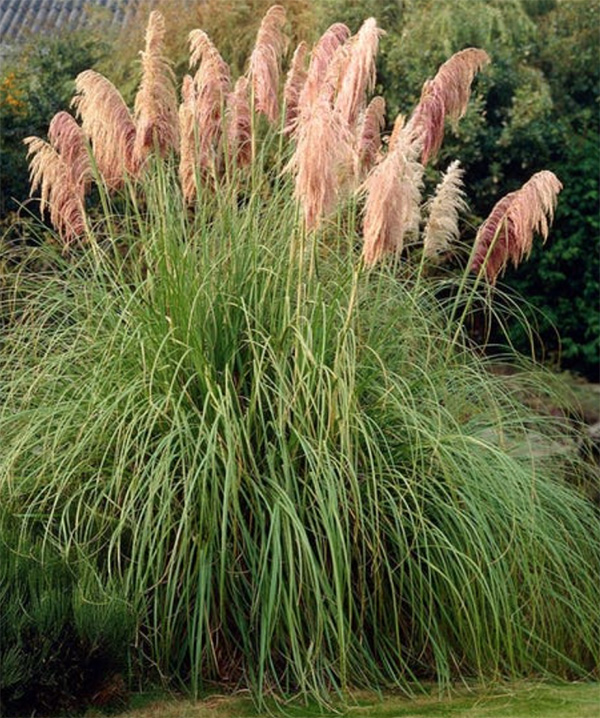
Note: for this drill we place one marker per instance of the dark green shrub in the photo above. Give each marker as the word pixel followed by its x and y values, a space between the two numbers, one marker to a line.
pixel 37 80
pixel 62 638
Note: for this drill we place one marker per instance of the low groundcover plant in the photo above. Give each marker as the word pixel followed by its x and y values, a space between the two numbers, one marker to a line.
pixel 238 408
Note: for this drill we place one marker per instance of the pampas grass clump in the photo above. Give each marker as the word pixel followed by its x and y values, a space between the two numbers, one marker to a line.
pixel 297 481
pixel 282 457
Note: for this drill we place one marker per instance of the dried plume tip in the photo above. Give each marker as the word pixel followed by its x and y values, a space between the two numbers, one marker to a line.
pixel 393 192
pixel 369 142
pixel 331 83
pixel 239 123
pixel 448 201
pixel 507 234
pixel 107 122
pixel 357 77
pixel 323 161
pixel 60 196
pixel 68 139
pixel 264 66
pixel 398 132
pixel 156 101
pixel 447 95
pixel 187 135
pixel 324 156
pixel 212 70
pixel 320 58
pixel 294 82
pixel 211 85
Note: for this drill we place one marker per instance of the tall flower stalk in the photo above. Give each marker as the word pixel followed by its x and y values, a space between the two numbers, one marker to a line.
pixel 212 82
pixel 61 197
pixel 323 161
pixel 358 74
pixel 507 234
pixel 320 58
pixel 156 101
pixel 391 212
pixel 239 123
pixel 447 95
pixel 109 125
pixel 265 60
pixel 369 137
pixel 441 230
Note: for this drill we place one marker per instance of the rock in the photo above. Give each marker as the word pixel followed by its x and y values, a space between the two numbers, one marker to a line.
pixel 593 433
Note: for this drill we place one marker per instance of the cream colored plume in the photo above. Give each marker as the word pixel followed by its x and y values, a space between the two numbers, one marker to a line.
pixel 391 212
pixel 444 207
pixel 107 122
pixel 357 76
pixel 507 234
pixel 447 95
pixel 156 101
pixel 265 60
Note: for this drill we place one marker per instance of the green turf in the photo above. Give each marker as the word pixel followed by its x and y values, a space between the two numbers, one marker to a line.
pixel 523 700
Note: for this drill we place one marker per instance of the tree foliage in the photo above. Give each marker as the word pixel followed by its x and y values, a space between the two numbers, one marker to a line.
pixel 37 81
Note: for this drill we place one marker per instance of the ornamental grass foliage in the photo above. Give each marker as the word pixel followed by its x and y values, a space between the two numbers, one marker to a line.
pixel 239 404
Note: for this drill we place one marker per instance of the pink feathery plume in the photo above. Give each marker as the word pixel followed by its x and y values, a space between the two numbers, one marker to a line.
pixel 239 123
pixel 330 84
pixel 156 101
pixel 398 132
pixel 107 122
pixel 507 234
pixel 393 191
pixel 322 161
pixel 212 82
pixel 188 140
pixel 60 195
pixel 263 69
pixel 212 70
pixel 447 95
pixel 320 57
pixel 448 201
pixel 294 82
pixel 358 72
pixel 68 139
pixel 369 142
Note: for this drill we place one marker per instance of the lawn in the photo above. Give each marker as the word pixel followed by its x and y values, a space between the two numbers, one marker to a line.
pixel 522 700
